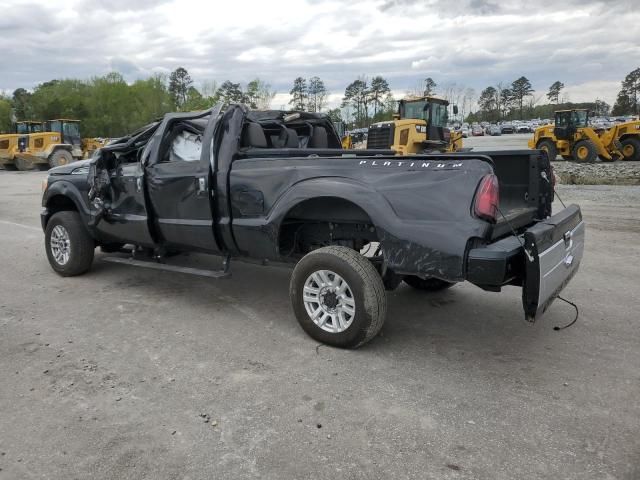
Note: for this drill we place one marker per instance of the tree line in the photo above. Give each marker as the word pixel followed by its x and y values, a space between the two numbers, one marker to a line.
pixel 517 101
pixel 109 106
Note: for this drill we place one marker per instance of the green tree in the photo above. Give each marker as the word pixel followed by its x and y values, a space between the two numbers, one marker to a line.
pixel 258 94
pixel 317 94
pixel 554 91
pixel 520 89
pixel 230 92
pixel 379 88
pixel 179 83
pixel 299 94
pixel 628 100
pixel 22 104
pixel 429 87
pixel 489 104
pixel 356 95
pixel 5 115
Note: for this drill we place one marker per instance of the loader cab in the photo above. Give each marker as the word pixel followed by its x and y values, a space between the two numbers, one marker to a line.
pixel 430 109
pixel 69 130
pixel 567 123
pixel 28 126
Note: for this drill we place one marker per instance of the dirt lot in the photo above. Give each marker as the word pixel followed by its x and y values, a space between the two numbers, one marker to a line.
pixel 134 374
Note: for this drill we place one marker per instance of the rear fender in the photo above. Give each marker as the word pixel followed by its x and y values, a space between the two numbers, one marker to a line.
pixel 429 248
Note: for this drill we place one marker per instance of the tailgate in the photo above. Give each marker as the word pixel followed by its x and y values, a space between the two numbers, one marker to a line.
pixel 553 249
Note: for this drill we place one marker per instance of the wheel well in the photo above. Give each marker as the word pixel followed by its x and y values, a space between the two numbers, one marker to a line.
pixel 59 203
pixel 630 135
pixel 324 221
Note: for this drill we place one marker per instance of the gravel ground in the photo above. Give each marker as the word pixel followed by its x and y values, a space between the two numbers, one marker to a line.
pixel 135 374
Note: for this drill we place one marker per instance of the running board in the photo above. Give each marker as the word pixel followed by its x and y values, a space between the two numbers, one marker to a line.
pixel 219 274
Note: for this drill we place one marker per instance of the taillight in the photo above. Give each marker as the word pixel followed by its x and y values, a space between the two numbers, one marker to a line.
pixel 487 198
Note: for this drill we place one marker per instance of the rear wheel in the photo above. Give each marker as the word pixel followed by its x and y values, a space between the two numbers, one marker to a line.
pixel 60 157
pixel 549 147
pixel 585 151
pixel 429 284
pixel 631 149
pixel 23 164
pixel 338 297
pixel 69 246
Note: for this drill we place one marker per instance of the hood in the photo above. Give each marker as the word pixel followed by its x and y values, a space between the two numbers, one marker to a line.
pixel 70 167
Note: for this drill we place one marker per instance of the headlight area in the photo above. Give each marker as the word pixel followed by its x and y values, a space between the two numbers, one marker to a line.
pixel 45 184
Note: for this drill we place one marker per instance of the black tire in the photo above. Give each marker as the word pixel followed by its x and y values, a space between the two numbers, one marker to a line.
pixel 584 151
pixel 428 284
pixel 10 167
pixel 60 157
pixel 365 284
pixel 81 246
pixel 549 147
pixel 631 149
pixel 23 164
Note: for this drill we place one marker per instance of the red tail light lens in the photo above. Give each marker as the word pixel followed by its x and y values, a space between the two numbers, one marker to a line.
pixel 487 199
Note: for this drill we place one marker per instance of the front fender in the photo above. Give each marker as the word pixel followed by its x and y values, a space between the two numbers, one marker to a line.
pixel 66 189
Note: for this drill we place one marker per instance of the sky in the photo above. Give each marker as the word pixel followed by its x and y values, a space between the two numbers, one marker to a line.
pixel 589 45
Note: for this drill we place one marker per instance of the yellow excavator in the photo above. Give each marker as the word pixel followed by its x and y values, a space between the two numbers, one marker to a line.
pixel 573 138
pixel 420 126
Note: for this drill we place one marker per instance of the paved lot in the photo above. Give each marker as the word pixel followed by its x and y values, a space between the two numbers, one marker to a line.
pixel 108 375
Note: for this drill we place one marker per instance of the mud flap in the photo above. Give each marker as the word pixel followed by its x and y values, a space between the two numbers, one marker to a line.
pixel 553 251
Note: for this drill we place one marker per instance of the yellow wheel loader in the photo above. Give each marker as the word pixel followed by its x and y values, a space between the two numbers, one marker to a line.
pixel 13 143
pixel 419 127
pixel 90 145
pixel 57 145
pixel 573 139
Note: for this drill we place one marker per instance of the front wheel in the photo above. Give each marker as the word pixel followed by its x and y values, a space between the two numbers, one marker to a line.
pixel 338 297
pixel 69 246
pixel 631 149
pixel 549 147
pixel 60 157
pixel 585 151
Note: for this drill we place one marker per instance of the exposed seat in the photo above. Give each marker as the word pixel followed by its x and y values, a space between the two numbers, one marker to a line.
pixel 253 136
pixel 288 138
pixel 319 138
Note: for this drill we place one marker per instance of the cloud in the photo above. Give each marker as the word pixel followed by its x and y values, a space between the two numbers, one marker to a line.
pixel 472 43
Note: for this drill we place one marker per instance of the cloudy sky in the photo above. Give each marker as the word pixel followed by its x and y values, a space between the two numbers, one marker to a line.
pixel 589 45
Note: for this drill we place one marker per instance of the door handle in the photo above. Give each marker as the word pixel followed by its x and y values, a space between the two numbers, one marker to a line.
pixel 202 185
pixel 138 184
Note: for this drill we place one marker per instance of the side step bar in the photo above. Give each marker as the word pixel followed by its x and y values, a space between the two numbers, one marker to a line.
pixel 219 274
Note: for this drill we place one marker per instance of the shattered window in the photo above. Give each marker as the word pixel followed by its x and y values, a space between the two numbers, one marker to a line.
pixel 186 147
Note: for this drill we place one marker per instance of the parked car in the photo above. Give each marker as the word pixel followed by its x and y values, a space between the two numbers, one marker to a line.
pixel 494 130
pixel 274 186
pixel 523 128
pixel 477 131
pixel 465 132
pixel 506 128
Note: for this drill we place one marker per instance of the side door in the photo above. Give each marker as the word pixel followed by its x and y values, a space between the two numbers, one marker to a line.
pixel 127 221
pixel 179 186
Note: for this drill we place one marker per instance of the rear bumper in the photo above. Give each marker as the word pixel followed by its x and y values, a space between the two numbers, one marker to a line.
pixel 553 249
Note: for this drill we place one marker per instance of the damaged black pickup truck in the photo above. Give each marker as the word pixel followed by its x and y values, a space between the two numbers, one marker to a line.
pixel 277 186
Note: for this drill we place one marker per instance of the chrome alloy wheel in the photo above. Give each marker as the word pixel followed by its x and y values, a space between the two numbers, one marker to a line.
pixel 60 245
pixel 329 301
